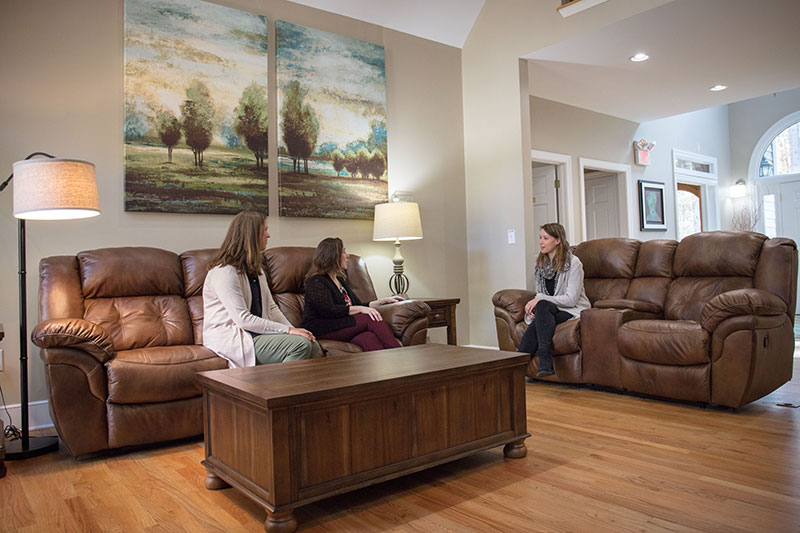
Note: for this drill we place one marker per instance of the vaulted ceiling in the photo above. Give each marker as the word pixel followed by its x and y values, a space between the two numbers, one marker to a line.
pixel 751 46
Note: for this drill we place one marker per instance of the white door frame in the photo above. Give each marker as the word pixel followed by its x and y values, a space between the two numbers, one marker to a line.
pixel 623 190
pixel 563 165
pixel 756 185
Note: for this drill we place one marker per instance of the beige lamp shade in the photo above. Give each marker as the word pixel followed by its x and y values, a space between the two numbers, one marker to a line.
pixel 55 189
pixel 397 221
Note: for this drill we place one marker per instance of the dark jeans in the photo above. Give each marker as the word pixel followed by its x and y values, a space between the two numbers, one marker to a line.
pixel 367 333
pixel 539 336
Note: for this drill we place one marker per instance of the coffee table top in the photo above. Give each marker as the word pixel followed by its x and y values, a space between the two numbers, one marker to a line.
pixel 278 385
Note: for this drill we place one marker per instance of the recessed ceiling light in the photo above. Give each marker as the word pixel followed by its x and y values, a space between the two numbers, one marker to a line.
pixel 718 88
pixel 641 56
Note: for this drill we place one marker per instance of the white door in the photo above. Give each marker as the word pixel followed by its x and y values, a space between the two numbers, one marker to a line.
pixel 544 196
pixel 790 212
pixel 602 207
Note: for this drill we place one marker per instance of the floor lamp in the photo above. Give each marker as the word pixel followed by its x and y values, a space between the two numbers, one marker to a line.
pixel 397 221
pixel 44 189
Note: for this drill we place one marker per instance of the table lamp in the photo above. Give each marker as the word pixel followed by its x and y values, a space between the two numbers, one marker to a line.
pixel 44 189
pixel 397 221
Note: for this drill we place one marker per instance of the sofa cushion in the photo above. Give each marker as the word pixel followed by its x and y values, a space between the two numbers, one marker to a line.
pixel 718 253
pixel 339 347
pixel 291 305
pixel 665 342
pixel 567 337
pixel 688 296
pixel 146 271
pixel 607 267
pixel 141 321
pixel 159 374
pixel 195 267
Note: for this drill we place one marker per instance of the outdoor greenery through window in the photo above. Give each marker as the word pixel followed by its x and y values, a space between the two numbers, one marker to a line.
pixel 782 155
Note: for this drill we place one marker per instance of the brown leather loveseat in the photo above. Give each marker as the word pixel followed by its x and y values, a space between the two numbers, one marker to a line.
pixel 121 337
pixel 709 319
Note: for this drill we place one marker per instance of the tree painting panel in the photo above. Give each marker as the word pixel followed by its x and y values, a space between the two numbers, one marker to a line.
pixel 195 108
pixel 332 122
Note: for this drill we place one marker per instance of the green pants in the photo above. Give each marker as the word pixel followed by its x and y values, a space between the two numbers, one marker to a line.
pixel 282 347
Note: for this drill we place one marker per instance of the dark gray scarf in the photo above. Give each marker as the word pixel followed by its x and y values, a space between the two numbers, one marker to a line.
pixel 548 272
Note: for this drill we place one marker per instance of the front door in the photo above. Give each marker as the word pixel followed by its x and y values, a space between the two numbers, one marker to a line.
pixel 790 211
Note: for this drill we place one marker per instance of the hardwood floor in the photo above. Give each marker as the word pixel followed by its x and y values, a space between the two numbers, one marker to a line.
pixel 597 461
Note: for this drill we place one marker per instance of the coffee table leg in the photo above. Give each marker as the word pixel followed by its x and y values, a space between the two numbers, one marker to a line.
pixel 214 482
pixel 515 450
pixel 283 522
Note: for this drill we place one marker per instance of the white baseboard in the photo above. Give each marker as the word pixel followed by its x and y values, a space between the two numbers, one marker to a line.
pixel 38 413
pixel 481 346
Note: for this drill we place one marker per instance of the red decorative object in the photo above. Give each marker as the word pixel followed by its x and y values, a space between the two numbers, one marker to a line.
pixel 641 151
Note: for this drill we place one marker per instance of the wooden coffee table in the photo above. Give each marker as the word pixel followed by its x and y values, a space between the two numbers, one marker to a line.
pixel 289 434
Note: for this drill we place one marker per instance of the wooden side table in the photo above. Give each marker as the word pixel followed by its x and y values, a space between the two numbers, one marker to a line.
pixel 443 314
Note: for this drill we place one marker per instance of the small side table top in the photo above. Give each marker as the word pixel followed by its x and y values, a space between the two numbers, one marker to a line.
pixel 443 314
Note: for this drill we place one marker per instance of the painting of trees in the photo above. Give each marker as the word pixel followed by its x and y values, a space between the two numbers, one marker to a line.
pixel 195 84
pixel 251 120
pixel 332 142
pixel 169 130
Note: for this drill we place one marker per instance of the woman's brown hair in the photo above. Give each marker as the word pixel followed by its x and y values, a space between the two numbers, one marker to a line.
pixel 241 247
pixel 327 257
pixel 557 231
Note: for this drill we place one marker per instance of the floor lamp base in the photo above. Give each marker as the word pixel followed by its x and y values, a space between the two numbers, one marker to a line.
pixel 36 446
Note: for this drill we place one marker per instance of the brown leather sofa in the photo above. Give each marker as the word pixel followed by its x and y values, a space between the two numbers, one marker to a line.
pixel 709 319
pixel 121 337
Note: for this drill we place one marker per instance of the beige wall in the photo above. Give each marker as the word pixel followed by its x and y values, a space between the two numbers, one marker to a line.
pixel 497 148
pixel 62 65
pixel 581 133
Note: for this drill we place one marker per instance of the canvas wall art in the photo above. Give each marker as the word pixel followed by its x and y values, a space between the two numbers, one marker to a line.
pixel 332 145
pixel 195 108
pixel 651 206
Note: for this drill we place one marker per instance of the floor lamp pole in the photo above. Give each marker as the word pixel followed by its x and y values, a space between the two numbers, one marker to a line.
pixel 26 446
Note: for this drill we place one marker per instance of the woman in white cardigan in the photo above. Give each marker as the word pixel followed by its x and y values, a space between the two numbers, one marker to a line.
pixel 241 321
pixel 560 295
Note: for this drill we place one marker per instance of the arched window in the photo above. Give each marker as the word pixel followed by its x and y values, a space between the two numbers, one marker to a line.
pixel 782 155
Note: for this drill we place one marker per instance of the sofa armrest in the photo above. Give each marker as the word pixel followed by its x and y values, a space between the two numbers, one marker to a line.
pixel 513 302
pixel 74 333
pixel 625 303
pixel 740 302
pixel 408 319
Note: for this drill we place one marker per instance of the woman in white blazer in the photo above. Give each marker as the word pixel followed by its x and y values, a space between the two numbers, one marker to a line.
pixel 241 321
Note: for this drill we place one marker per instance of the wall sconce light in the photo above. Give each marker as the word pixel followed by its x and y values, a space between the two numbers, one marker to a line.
pixel 739 189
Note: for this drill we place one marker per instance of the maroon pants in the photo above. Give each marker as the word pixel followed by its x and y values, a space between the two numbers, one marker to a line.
pixel 367 333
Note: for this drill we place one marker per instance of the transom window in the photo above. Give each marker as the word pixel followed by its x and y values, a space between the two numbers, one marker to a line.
pixel 782 155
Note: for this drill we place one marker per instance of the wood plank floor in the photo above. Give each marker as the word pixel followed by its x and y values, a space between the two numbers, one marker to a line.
pixel 597 462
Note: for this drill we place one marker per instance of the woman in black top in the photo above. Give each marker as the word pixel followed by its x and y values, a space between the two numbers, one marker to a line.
pixel 332 311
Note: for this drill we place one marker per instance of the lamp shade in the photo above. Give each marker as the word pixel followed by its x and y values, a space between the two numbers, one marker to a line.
pixel 397 221
pixel 55 189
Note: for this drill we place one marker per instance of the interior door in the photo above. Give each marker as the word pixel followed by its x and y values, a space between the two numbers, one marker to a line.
pixel 602 207
pixel 544 196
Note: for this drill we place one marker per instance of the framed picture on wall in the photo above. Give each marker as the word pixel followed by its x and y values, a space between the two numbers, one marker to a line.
pixel 651 206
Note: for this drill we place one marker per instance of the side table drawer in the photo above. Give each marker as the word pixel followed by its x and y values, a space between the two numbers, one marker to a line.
pixel 437 318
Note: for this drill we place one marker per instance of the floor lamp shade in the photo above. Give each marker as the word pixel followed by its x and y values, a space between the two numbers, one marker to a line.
pixel 397 221
pixel 44 189
pixel 55 189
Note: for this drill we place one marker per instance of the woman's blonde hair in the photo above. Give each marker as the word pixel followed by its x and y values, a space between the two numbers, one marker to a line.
pixel 557 231
pixel 241 248
pixel 327 257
